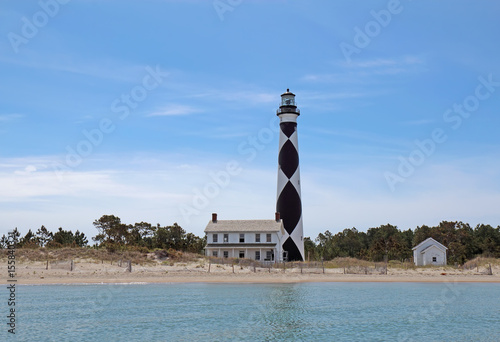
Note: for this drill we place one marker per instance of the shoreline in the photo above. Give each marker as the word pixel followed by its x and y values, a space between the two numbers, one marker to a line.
pixel 256 279
pixel 94 272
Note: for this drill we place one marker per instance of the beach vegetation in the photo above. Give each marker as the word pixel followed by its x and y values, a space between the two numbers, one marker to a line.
pixel 143 241
pixel 387 242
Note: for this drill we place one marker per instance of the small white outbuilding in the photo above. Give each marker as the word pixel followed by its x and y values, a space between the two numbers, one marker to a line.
pixel 429 252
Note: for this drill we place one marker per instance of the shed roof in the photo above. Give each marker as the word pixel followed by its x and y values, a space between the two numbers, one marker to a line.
pixel 434 242
pixel 244 226
pixel 432 246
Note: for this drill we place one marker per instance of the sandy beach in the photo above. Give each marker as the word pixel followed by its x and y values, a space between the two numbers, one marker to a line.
pixel 89 272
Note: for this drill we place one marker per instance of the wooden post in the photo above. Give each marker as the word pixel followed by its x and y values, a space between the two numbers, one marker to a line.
pixel 71 266
pixel 322 265
pixel 254 270
pixel 129 266
pixel 233 268
pixel 284 266
pixel 269 267
pixel 47 267
pixel 300 268
pixel 209 264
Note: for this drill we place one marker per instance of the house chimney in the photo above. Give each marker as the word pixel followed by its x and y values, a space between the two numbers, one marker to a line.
pixel 277 216
pixel 214 217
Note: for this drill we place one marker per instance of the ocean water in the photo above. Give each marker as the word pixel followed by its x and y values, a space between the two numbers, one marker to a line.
pixel 258 312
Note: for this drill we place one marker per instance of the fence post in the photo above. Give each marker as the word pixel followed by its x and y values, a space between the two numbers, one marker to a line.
pixel 322 266
pixel 72 265
pixel 129 266
pixel 254 271
pixel 209 264
pixel 47 267
pixel 233 267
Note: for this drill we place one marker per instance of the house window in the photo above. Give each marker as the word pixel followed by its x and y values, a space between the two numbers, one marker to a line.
pixel 226 237
pixel 226 254
pixel 242 237
pixel 268 237
pixel 214 237
pixel 242 254
pixel 214 254
pixel 257 255
pixel 434 259
pixel 257 237
pixel 269 255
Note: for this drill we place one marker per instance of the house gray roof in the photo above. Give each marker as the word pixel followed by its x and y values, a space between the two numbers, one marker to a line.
pixel 435 243
pixel 431 246
pixel 244 226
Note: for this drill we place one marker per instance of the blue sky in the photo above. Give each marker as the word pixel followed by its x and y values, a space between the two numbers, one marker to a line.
pixel 165 111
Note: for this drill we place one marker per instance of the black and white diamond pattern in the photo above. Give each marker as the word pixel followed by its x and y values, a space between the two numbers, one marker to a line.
pixel 289 204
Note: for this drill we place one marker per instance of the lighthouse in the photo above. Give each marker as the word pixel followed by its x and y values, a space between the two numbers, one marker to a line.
pixel 289 203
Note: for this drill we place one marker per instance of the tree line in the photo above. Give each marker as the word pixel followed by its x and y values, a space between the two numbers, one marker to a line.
pixel 44 238
pixel 387 242
pixel 113 235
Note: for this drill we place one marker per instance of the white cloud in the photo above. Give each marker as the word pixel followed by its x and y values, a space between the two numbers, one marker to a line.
pixel 352 201
pixel 10 117
pixel 153 188
pixel 364 70
pixel 238 93
pixel 111 69
pixel 27 170
pixel 384 62
pixel 175 109
pixel 148 188
pixel 418 122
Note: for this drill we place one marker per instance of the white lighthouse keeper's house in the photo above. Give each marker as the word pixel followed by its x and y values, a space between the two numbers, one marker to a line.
pixel 259 240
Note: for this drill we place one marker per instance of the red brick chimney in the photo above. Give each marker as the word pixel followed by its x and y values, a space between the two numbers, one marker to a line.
pixel 214 217
pixel 277 216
